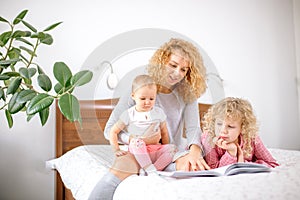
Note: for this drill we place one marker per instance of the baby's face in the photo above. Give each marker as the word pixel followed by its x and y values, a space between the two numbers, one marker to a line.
pixel 144 98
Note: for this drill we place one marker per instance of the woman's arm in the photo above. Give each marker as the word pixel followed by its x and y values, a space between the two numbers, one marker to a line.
pixel 164 133
pixel 194 159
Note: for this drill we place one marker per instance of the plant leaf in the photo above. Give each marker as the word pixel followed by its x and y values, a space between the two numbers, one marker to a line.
pixel 47 39
pixel 9 118
pixel 8 62
pixel 44 82
pixel 4 37
pixel 2 96
pixel 62 73
pixel 28 50
pixel 29 26
pixel 13 105
pixel 4 77
pixel 81 78
pixel 14 85
pixel 52 26
pixel 40 70
pixel 44 114
pixel 25 41
pixel 20 17
pixel 25 95
pixel 38 103
pixel 29 117
pixel 3 20
pixel 69 107
pixel 24 72
pixel 58 88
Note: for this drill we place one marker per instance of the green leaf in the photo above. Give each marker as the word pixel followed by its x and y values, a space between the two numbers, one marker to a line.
pixel 27 72
pixel 13 105
pixel 3 20
pixel 58 88
pixel 44 114
pixel 31 72
pixel 28 50
pixel 18 34
pixel 62 73
pixel 2 96
pixel 81 78
pixel 44 82
pixel 8 62
pixel 14 53
pixel 29 117
pixel 52 26
pixel 47 39
pixel 29 26
pixel 25 95
pixel 38 103
pixel 20 17
pixel 4 37
pixel 24 72
pixel 69 107
pixel 25 41
pixel 4 77
pixel 14 85
pixel 11 74
pixel 9 118
pixel 40 70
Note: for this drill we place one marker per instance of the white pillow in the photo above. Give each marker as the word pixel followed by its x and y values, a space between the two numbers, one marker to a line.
pixel 82 167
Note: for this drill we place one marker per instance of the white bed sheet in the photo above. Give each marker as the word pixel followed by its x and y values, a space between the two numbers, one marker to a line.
pixel 81 168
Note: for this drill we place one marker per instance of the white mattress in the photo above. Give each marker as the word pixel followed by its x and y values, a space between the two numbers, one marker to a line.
pixel 82 167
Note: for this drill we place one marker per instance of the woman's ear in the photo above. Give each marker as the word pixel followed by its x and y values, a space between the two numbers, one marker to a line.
pixel 132 95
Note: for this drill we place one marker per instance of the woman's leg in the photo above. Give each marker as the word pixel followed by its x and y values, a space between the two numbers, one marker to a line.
pixel 123 167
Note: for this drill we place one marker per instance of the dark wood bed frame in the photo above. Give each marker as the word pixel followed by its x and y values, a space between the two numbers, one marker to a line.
pixel 94 114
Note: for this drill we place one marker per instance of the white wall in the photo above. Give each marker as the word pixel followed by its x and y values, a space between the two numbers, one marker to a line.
pixel 251 42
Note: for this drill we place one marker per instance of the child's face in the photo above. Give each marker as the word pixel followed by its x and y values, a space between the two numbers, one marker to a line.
pixel 228 129
pixel 144 98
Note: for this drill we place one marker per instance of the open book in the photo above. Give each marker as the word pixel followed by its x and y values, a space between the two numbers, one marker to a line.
pixel 229 170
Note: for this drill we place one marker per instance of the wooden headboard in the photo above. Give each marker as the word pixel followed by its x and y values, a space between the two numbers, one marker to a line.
pixel 94 114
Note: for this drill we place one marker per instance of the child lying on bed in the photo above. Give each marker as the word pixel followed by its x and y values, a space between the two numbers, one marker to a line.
pixel 137 119
pixel 231 135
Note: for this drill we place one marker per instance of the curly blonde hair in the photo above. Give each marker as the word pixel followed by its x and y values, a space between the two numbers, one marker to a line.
pixel 233 108
pixel 194 83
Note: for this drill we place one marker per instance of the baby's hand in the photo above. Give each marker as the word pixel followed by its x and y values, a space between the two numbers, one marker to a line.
pixel 120 152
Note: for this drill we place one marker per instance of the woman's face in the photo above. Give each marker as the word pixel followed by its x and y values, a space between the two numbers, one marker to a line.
pixel 176 70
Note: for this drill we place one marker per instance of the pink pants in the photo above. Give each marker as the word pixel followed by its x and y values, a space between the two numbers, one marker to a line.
pixel 159 155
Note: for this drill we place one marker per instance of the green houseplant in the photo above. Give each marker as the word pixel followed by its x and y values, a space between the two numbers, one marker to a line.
pixel 18 48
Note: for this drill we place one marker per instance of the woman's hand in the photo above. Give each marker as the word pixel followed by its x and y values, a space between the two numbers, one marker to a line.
pixel 193 161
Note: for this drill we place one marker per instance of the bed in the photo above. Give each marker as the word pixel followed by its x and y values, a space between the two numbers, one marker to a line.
pixel 83 155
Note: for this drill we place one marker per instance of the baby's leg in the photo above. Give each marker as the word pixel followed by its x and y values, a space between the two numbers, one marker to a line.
pixel 164 156
pixel 138 148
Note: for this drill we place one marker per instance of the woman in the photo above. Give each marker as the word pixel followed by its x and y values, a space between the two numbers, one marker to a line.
pixel 177 68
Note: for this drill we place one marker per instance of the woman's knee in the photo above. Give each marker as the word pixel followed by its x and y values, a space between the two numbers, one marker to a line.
pixel 125 166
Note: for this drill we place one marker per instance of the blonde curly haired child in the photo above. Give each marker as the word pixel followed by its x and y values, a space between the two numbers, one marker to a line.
pixel 231 135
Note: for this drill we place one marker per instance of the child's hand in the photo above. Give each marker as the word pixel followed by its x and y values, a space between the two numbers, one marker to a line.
pixel 120 152
pixel 240 154
pixel 231 147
